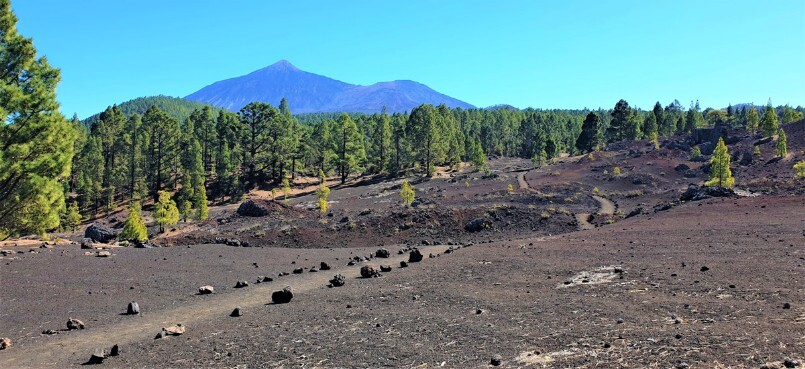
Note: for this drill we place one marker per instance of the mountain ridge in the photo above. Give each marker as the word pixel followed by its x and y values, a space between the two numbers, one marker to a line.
pixel 308 92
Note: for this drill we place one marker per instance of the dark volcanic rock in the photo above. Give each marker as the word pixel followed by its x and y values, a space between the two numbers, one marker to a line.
pixel 97 357
pixel 324 266
pixel 496 360
pixel 382 253
pixel 298 271
pixel 133 308
pixel 5 343
pixel 74 324
pixel 477 225
pixel 635 212
pixel 682 167
pixel 206 290
pixel 236 313
pixel 696 193
pixel 100 233
pixel 241 284
pixel 403 264
pixel 338 281
pixel 250 208
pixel 283 296
pixel 114 351
pixel 369 272
pixel 415 256
pixel 385 268
pixel 86 244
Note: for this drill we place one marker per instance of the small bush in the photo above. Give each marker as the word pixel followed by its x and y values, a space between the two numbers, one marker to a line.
pixel 595 190
pixel 616 171
pixel 545 216
pixel 510 189
pixel 799 169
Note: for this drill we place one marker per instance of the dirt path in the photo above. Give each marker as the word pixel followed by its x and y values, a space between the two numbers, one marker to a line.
pixel 51 350
pixel 521 180
pixel 605 207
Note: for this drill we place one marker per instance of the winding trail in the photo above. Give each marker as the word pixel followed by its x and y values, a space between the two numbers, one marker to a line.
pixel 605 207
pixel 51 350
pixel 521 180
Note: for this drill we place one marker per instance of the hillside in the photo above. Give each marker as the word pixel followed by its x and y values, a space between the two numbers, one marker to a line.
pixel 175 106
pixel 312 93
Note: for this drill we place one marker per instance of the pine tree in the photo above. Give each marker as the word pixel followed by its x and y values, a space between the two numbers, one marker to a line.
pixel 720 173
pixel 323 192
pixel 477 157
pixel 350 150
pixel 407 193
pixel 286 189
pixel 200 203
pixel 165 211
pixel 73 217
pixel 134 228
pixel 163 145
pixel 781 144
pixel 752 120
pixel 619 124
pixel 769 121
pixel 36 141
pixel 590 137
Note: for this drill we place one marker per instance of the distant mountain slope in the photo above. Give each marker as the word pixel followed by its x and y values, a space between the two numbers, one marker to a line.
pixel 175 106
pixel 311 93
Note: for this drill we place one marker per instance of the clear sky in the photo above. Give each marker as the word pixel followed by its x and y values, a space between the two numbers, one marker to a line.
pixel 544 54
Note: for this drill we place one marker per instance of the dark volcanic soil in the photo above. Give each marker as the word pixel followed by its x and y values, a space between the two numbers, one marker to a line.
pixel 717 283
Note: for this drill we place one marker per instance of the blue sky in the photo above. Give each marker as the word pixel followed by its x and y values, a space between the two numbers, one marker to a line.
pixel 545 54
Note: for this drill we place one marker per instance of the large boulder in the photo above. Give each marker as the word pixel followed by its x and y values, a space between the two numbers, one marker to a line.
pixel 477 225
pixel 338 281
pixel 696 193
pixel 73 324
pixel 283 296
pixel 382 253
pixel 100 233
pixel 415 256
pixel 250 208
pixel 369 272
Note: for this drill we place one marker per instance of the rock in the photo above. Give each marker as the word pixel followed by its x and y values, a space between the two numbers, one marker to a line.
pixel 241 284
pixel 403 264
pixel 338 281
pixel 236 313
pixel 283 296
pixel 5 343
pixel 312 270
pixel 369 272
pixel 762 141
pixel 233 242
pixel 696 193
pixel 97 357
pixel 250 208
pixel 100 233
pixel 206 290
pixel 704 269
pixel 74 324
pixel 743 158
pixel 174 330
pixel 268 279
pixel 49 332
pixel 477 225
pixel 366 211
pixel 385 268
pixel 324 266
pixel 786 306
pixel 133 308
pixel 415 256
pixel 496 360
pixel 86 244
pixel 682 167
pixel 103 254
pixel 344 220
pixel 114 351
pixel 707 148
pixel 790 363
pixel 298 271
pixel 382 253
pixel 691 174
pixel 635 212
pixel 142 244
pixel 260 279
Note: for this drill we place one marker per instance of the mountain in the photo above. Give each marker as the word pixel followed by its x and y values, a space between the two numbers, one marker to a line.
pixel 175 106
pixel 312 93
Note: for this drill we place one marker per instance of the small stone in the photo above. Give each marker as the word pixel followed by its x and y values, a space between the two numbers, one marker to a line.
pixel 115 351
pixel 174 330
pixel 786 306
pixel 133 308
pixel 5 343
pixel 283 296
pixel 324 266
pixel 206 290
pixel 312 270
pixel 415 256
pixel 338 281
pixel 790 363
pixel 496 360
pixel 403 264
pixel 268 279
pixel 74 324
pixel 704 269
pixel 298 271
pixel 382 253
pixel 103 254
pixel 236 313
pixel 682 365
pixel 97 357
pixel 241 284
pixel 49 332
pixel 385 268
pixel 369 272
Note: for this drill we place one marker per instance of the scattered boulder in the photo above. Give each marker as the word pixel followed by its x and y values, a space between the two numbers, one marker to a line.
pixel 100 233
pixel 635 212
pixel 369 272
pixel 403 264
pixel 97 357
pixel 338 281
pixel 250 208
pixel 206 290
pixel 743 158
pixel 103 254
pixel 114 351
pixel 86 244
pixel 707 148
pixel 241 284
pixel 324 266
pixel 382 253
pixel 696 193
pixel 691 174
pixel 366 211
pixel 5 343
pixel 682 167
pixel 477 225
pixel 267 279
pixel 496 360
pixel 133 308
pixel 283 296
pixel 415 256
pixel 790 363
pixel 236 313
pixel 298 271
pixel 385 268
pixel 74 324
